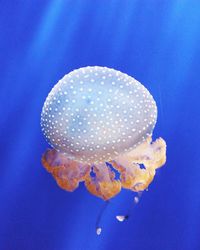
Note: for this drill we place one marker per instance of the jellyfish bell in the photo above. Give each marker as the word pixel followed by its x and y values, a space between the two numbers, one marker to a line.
pixel 94 116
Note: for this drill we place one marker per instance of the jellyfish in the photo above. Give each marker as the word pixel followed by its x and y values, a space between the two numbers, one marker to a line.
pixel 99 124
pixel 94 116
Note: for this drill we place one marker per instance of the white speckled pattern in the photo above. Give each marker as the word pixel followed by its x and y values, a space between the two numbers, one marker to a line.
pixel 93 114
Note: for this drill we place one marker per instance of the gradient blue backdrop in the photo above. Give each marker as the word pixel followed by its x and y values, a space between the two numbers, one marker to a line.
pixel 157 42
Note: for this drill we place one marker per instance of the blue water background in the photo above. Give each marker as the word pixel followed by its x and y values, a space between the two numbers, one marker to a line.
pixel 157 42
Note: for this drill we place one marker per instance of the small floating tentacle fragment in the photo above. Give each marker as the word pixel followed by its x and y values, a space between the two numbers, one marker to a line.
pixel 136 199
pixel 99 218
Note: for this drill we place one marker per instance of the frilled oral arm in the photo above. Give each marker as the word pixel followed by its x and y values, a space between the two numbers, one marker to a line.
pixel 100 179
